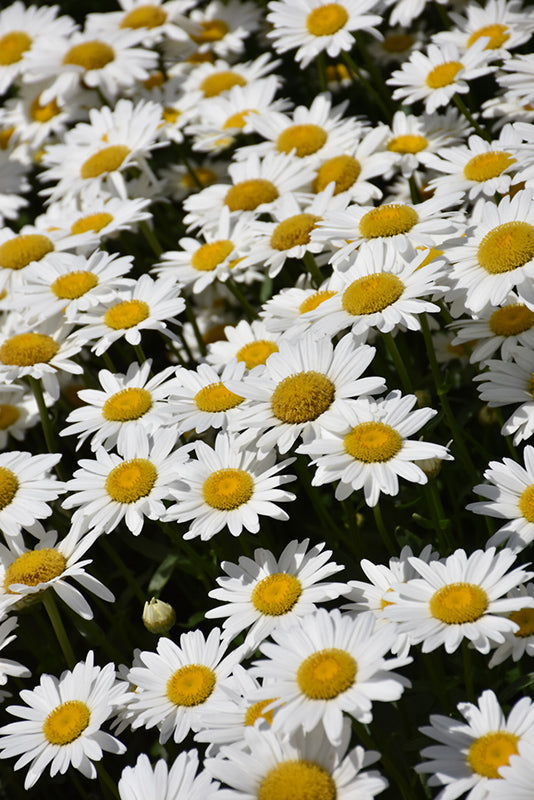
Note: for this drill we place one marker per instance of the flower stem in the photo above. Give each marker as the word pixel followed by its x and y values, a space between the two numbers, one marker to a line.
pixel 383 531
pixel 107 781
pixel 461 106
pixel 46 423
pixel 151 238
pixel 398 361
pixel 355 71
pixel 140 353
pixel 190 314
pixel 314 271
pixel 249 310
pixel 321 69
pixel 59 629
pixel 123 569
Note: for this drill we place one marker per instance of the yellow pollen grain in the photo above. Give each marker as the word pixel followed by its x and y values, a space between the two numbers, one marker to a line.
pixel 9 485
pixel 343 171
pixel 21 250
pixel 372 293
pixel 74 284
pixel 507 247
pixel 126 315
pixel 227 489
pixel 255 711
pixel 326 20
pixel 276 594
pixel 398 42
pixel 9 414
pixel 315 300
pixel 303 139
pixel 302 397
pixel 526 503
pixel 297 780
pixel 91 222
pixel 372 442
pixel 44 113
pixel 458 603
pixel 127 404
pixel 293 231
pixel 443 75
pixel 66 722
pixel 407 143
pixel 209 256
pixel 13 45
pixel 326 674
pixel 257 352
pixel 148 16
pixel 389 220
pixel 216 397
pixel 511 320
pixel 485 166
pixel 248 195
pixel 491 751
pixel 35 567
pixel 219 82
pixel 213 30
pixel 90 55
pixel 27 349
pixel 191 685
pixel 525 619
pixel 497 33
pixel 131 480
pixel 108 159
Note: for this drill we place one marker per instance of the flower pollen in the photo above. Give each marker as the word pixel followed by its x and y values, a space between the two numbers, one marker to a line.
pixel 297 780
pixel 248 195
pixel 219 82
pixel 507 247
pixel 327 19
pixel 130 481
pixel 13 46
pixel 443 75
pixel 91 222
pixel 389 220
pixel 35 567
pixel 127 404
pixel 74 284
pixel 257 352
pixel 255 711
pixel 209 256
pixel 293 231
pixel 27 349
pixel 496 32
pixel 66 722
pixel 372 293
pixel 44 113
pixel 108 159
pixel 315 300
pixel 191 685
pixel 9 485
pixel 326 674
pixel 407 143
pixel 526 503
pixel 20 251
pixel 216 397
pixel 9 414
pixel 276 594
pixel 90 55
pixel 126 314
pixel 372 442
pixel 343 171
pixel 302 397
pixel 147 16
pixel 212 30
pixel 525 619
pixel 458 603
pixel 303 139
pixel 511 320
pixel 227 489
pixel 491 751
pixel 485 166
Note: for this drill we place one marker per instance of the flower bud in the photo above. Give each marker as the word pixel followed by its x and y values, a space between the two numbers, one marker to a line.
pixel 158 617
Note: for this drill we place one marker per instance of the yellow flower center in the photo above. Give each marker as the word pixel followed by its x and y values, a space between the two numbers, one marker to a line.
pixel 169 115
pixel 126 314
pixel 66 722
pixel 485 166
pixel 407 143
pixel 91 222
pixel 154 80
pixel 257 352
pixel 344 171
pixel 497 32
pixel 506 247
pixel 525 619
pixel 293 231
pixel 443 74
pixel 397 42
pixel 13 46
pixel 209 256
pixel 9 485
pixel 8 415
pixel 388 221
pixel 27 349
pixel 213 30
pixel 372 293
pixel 239 119
pixel 304 139
pixel 227 489
pixel 191 685
pixel 148 16
pixel 302 397
pixel 108 159
pixel 326 674
pixel 276 594
pixel 297 780
pixel 203 176
pixel 457 603
pixel 5 136
pixel 326 20
pixel 219 82
pixel 90 55
pixel 216 397
pixel 315 300
pixel 35 567
pixel 511 320
pixel 128 404
pixel 491 751
pixel 526 503
pixel 20 251
pixel 44 113
pixel 255 711
pixel 130 481
pixel 248 195
pixel 74 285
pixel 372 442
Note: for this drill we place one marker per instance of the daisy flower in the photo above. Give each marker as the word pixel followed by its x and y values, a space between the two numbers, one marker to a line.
pixel 178 682
pixel 315 26
pixel 128 406
pixel 509 495
pixel 293 308
pixel 265 593
pixel 180 781
pixel 405 11
pixel 111 489
pixel 459 598
pixel 516 777
pixel 515 76
pixel 224 27
pixel 503 25
pixel 251 343
pixel 8 667
pixel 229 486
pixel 213 79
pixel 521 641
pixel 267 765
pixel 305 389
pixel 61 723
pixel 469 755
pixel 152 21
pixel 18 412
pixel 327 665
pixel 372 449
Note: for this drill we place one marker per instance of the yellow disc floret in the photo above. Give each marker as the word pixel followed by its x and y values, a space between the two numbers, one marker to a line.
pixel 496 32
pixel 389 220
pixel 9 414
pixel 44 113
pixel 511 320
pixel 20 251
pixel 90 55
pixel 209 256
pixel 326 674
pixel 148 16
pixel 398 42
pixel 407 143
pixel 227 489
pixel 491 751
pixel 507 247
pixel 257 352
pixel 13 45
pixel 191 685
pixel 127 404
pixel 27 349
pixel 525 619
pixel 315 300
pixel 526 503
pixel 293 231
pixel 216 397
pixel 66 722
pixel 303 139
pixel 372 293
pixel 327 19
pixel 219 82
pixel 458 603
pixel 443 75
pixel 485 166
pixel 248 195
pixel 297 780
pixel 9 485
pixel 126 315
pixel 91 222
pixel 343 171
pixel 302 397
pixel 255 711
pixel 130 481
pixel 213 30
pixel 35 567
pixel 74 284
pixel 372 442
pixel 276 594
pixel 108 159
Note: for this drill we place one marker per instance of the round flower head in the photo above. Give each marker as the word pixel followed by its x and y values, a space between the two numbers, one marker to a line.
pixel 460 597
pixel 61 722
pixel 293 308
pixel 251 343
pixel 179 782
pixel 229 486
pixel 26 488
pixel 224 28
pixel 327 665
pixel 469 755
pixel 152 22
pixel 520 641
pixel 179 682
pixel 304 767
pixel 265 593
pixel 372 449
pixel 516 778
pixel 502 25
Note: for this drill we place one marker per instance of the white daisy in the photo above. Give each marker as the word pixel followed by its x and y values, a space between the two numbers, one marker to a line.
pixel 521 641
pixel 515 778
pixel 152 21
pixel 293 308
pixel 26 489
pixel 224 27
pixel 251 343
pixel 504 26
pixel 179 782
pixel 212 79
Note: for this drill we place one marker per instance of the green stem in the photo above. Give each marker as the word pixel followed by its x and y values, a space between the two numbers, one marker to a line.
pixel 383 531
pixel 249 310
pixel 385 758
pixel 151 238
pixel 398 361
pixel 59 629
pixel 140 353
pixel 190 314
pixel 376 74
pixel 415 191
pixel 123 569
pixel 107 781
pixel 192 173
pixel 46 423
pixel 315 496
pixel 321 69
pixel 106 358
pixel 461 106
pixel 314 271
pixel 355 71
pixel 429 490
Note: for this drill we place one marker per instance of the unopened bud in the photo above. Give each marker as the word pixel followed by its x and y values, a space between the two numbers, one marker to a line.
pixel 430 466
pixel 487 416
pixel 158 617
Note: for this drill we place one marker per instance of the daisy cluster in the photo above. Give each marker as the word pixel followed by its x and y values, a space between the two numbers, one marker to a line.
pixel 267 266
